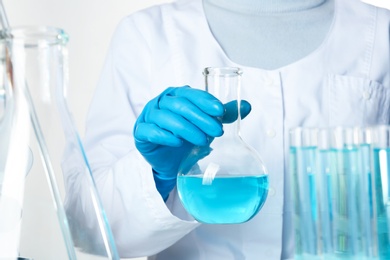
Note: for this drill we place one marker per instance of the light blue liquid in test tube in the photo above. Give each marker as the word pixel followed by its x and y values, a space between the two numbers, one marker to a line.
pixel 305 205
pixel 332 193
pixel 346 234
pixel 367 213
pixel 303 166
pixel 346 197
pixel 324 191
pixel 381 172
pixel 309 214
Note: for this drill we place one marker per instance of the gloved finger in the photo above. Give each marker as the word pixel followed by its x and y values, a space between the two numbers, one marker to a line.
pixel 151 133
pixel 231 111
pixel 200 98
pixel 178 126
pixel 185 108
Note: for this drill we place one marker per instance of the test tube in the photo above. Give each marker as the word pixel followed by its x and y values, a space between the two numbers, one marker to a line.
pixel 365 162
pixel 381 198
pixel 346 194
pixel 303 145
pixel 324 190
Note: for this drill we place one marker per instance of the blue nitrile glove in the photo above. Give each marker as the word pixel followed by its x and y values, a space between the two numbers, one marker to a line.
pixel 172 123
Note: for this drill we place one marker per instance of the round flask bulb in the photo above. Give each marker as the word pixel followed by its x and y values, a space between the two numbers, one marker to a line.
pixel 226 181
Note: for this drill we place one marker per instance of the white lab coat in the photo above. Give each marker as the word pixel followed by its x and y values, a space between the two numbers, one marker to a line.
pixel 345 81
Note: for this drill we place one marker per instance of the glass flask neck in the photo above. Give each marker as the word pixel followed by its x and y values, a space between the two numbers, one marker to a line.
pixel 232 130
pixel 225 84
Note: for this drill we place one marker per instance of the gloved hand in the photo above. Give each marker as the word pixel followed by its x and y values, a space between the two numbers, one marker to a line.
pixel 173 122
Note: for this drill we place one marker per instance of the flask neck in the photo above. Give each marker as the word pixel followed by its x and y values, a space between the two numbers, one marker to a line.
pixel 232 130
pixel 225 85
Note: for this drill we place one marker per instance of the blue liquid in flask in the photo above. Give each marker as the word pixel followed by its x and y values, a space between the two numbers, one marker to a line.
pixel 226 200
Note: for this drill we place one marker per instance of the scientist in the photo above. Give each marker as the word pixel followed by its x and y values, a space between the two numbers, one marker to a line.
pixel 304 62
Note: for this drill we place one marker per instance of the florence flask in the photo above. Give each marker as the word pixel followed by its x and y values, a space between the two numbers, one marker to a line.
pixel 226 181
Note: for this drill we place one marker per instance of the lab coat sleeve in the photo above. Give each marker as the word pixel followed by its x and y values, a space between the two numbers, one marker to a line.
pixel 141 222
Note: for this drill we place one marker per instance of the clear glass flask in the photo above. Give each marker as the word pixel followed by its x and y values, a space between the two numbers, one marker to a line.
pixel 225 182
pixel 40 129
pixel 14 159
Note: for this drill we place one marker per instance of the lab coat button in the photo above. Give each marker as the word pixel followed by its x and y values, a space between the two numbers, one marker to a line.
pixel 271 133
pixel 366 95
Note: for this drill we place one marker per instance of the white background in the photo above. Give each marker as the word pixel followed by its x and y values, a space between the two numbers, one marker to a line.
pixel 90 24
pixel 380 3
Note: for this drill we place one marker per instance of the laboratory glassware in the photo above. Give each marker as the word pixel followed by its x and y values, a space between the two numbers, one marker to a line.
pixel 330 169
pixel 324 184
pixel 15 158
pixel 381 189
pixel 347 194
pixel 37 65
pixel 365 164
pixel 226 181
pixel 309 195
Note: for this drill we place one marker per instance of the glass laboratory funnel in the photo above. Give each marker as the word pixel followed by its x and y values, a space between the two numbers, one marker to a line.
pixel 224 182
pixel 38 75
